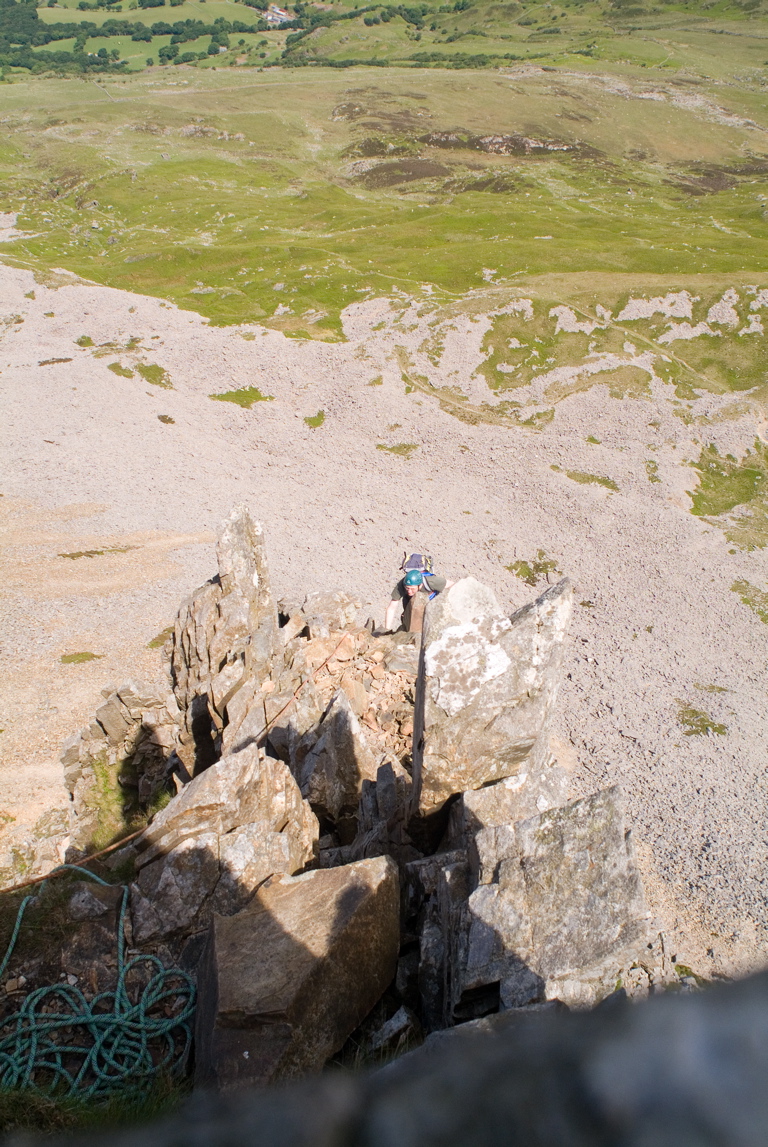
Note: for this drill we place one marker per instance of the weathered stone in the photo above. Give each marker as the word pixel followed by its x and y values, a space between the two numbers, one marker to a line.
pixel 396 1033
pixel 338 610
pixel 560 911
pixel 238 790
pixel 90 901
pixel 486 689
pixel 284 982
pixel 334 769
pixel 514 798
pixel 169 895
pixel 225 638
pixel 228 830
pixel 673 1072
pixel 135 730
pixel 404 658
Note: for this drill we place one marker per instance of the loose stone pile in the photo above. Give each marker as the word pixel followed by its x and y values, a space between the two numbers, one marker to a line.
pixel 359 814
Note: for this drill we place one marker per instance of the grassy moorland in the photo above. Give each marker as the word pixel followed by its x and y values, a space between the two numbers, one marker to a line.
pixel 284 195
pixel 580 156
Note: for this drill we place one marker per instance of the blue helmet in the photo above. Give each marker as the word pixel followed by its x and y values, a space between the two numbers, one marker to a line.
pixel 413 577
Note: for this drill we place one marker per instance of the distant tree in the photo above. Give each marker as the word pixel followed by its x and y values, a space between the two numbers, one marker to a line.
pixel 168 52
pixel 142 35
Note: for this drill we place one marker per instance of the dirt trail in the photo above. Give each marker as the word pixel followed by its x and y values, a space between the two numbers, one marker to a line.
pixel 90 468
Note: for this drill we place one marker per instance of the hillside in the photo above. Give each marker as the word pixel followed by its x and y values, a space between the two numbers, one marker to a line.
pixel 512 312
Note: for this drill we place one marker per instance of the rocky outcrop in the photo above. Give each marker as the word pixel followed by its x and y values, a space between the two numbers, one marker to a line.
pixel 558 910
pixel 284 982
pixel 224 643
pixel 486 689
pixel 426 765
pixel 234 825
pixel 131 739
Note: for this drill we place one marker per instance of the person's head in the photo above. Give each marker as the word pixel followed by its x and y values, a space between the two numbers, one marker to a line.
pixel 412 582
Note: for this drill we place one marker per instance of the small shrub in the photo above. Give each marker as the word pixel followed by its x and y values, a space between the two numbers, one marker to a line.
pixel 315 420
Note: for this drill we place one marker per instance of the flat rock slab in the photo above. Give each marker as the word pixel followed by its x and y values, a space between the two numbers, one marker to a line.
pixel 283 983
pixel 486 689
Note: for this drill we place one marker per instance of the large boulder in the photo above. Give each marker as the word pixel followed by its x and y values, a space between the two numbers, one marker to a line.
pixel 486 689
pixel 283 983
pixel 230 828
pixel 333 771
pixel 224 642
pixel 558 911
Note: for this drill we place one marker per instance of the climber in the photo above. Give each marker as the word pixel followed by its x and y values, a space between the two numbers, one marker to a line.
pixel 414 590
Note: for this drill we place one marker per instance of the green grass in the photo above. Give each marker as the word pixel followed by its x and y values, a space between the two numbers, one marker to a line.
pixel 246 397
pixel 278 227
pixel 586 479
pixel 404 449
pixel 79 658
pixel 728 484
pixel 532 572
pixel 22 1110
pixel 756 599
pixel 315 420
pixel 154 374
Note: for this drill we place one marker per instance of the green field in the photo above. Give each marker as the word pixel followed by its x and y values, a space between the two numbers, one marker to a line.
pixel 282 195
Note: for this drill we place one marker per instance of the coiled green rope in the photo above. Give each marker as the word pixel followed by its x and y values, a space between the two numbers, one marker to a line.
pixel 61 1043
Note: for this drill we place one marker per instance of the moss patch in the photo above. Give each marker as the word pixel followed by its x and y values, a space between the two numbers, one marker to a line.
pixel 585 479
pixel 121 371
pixel 84 340
pixel 154 374
pixel 727 484
pixel 79 658
pixel 756 599
pixel 697 723
pixel 533 571
pixel 97 553
pixel 246 397
pixel 166 418
pixel 159 641
pixel 315 420
pixel 404 449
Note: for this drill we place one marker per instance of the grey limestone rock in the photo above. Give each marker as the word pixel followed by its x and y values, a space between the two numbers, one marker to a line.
pixel 558 911
pixel 333 771
pixel 224 644
pixel 284 982
pixel 134 728
pixel 675 1071
pixel 486 689
pixel 230 828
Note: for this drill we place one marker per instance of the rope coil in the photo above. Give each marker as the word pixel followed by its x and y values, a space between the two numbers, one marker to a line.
pixel 114 1043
